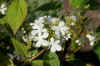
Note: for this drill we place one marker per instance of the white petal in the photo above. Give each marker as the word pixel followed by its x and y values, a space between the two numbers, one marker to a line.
pixel 45 35
pixel 46 43
pixel 54 28
pixel 31 23
pixel 3 12
pixel 92 43
pixel 53 49
pixel 63 33
pixel 3 5
pixel 5 9
pixel 38 44
pixel 61 24
pixel 58 47
pixel 88 36
pixel 77 41
pixel 34 32
pixel 73 23
pixel 57 41
pixel 52 39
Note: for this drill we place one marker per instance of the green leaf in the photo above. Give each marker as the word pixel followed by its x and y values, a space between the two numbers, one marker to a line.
pixel 98 30
pixel 5 61
pixel 51 59
pixel 78 4
pixel 16 14
pixel 97 48
pixel 20 47
pixel 37 63
pixel 97 51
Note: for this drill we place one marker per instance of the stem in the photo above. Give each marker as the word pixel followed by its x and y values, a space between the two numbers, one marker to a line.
pixel 67 7
pixel 34 57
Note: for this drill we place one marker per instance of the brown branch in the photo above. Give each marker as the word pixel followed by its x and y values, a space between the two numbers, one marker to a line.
pixel 34 57
pixel 67 7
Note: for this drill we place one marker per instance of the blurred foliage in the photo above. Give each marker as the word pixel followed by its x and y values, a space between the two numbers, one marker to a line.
pixel 97 44
pixel 37 63
pixel 5 61
pixel 78 4
pixel 94 4
pixel 41 8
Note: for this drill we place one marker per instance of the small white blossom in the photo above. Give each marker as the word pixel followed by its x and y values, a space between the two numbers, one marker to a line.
pixel 38 28
pixel 78 42
pixel 91 39
pixel 3 9
pixel 25 39
pixel 41 40
pixel 61 29
pixel 23 30
pixel 55 45
pixel 67 36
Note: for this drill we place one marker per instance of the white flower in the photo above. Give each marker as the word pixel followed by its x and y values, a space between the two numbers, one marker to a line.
pixel 55 45
pixel 61 29
pixel 41 19
pixel 91 39
pixel 92 43
pixel 40 30
pixel 78 42
pixel 3 9
pixel 67 36
pixel 41 40
pixel 37 28
pixel 25 38
pixel 31 24
pixel 37 25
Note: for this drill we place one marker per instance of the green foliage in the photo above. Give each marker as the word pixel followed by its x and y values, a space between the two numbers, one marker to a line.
pixel 97 44
pixel 94 5
pixel 16 14
pixel 78 3
pixel 20 48
pixel 5 61
pixel 98 30
pixel 37 63
pixel 97 48
pixel 41 8
pixel 51 59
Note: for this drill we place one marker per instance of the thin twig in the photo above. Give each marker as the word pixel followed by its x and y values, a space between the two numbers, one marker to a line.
pixel 34 57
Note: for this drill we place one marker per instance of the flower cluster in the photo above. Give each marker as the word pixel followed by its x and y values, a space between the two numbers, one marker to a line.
pixel 91 39
pixel 49 32
pixel 3 9
pixel 52 32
